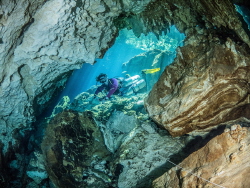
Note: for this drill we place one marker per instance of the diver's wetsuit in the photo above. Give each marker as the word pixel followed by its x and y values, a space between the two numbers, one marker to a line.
pixel 112 87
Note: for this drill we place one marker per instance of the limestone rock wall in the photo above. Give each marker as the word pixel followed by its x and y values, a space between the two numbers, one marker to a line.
pixel 223 162
pixel 205 86
pixel 41 42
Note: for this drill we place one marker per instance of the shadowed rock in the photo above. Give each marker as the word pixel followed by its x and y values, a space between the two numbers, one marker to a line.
pixel 74 151
pixel 223 162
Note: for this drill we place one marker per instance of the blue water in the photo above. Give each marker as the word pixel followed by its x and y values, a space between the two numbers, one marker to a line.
pixel 245 13
pixel 82 79
pixel 126 47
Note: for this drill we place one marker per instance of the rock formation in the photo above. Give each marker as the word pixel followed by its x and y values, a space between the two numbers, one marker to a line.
pixel 208 83
pixel 106 148
pixel 38 36
pixel 74 151
pixel 42 42
pixel 222 162
pixel 203 87
pixel 143 155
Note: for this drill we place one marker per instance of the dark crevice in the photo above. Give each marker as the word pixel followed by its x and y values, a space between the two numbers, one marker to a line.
pixel 223 33
pixel 79 3
pixel 42 110
pixel 24 29
pixel 245 3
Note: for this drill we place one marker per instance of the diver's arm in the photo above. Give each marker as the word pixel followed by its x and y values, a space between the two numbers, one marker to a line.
pixel 98 90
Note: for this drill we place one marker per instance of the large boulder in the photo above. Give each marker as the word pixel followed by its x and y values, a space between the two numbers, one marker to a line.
pixel 222 162
pixel 74 151
pixel 142 156
pixel 204 87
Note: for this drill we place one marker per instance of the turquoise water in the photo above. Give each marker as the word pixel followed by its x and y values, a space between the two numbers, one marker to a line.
pixel 245 13
pixel 82 79
pixel 126 46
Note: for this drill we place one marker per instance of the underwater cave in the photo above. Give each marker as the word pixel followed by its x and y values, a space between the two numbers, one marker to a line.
pixel 182 72
pixel 145 52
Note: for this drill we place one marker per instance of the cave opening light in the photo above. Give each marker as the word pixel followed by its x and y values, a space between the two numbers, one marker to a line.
pixel 129 55
pixel 126 47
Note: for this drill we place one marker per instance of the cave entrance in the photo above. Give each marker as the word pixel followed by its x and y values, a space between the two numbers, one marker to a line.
pixel 129 55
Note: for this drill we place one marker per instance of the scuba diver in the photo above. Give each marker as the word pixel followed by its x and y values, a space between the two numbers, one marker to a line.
pixel 111 85
pixel 119 86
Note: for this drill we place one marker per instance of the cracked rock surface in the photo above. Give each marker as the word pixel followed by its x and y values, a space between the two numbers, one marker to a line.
pixel 222 161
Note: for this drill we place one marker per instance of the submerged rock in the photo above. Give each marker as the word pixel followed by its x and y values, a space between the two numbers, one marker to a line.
pixel 203 88
pixel 74 152
pixel 144 153
pixel 110 146
pixel 132 105
pixel 222 162
pixel 116 129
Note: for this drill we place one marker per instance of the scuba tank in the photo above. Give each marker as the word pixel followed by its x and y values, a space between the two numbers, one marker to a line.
pixel 129 81
pixel 136 86
pixel 139 85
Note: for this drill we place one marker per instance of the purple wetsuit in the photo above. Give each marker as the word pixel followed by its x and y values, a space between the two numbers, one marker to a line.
pixel 111 87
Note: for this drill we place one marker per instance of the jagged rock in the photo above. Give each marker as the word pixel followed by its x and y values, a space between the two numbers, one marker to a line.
pixel 203 87
pixel 222 162
pixel 189 14
pixel 166 42
pixel 36 169
pixel 117 128
pixel 142 156
pixel 74 151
